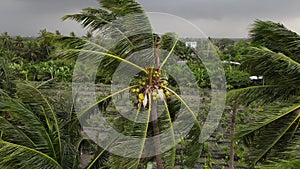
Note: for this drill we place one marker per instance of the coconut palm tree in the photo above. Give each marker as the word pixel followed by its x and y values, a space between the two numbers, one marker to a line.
pixel 18 42
pixel 31 51
pixel 275 56
pixel 6 40
pixel 36 134
pixel 124 30
pixel 45 42
pixel 7 75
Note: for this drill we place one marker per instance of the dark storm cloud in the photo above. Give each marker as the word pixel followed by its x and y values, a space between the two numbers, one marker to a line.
pixel 229 18
pixel 27 17
pixel 218 9
pixel 53 6
pixel 217 18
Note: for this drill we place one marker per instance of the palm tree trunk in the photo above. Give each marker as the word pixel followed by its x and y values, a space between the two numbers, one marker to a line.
pixel 232 132
pixel 154 119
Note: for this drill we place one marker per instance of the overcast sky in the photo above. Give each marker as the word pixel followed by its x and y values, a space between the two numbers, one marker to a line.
pixel 216 18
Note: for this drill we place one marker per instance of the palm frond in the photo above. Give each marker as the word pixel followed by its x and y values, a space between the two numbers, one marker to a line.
pixel 276 37
pixel 123 29
pixel 270 130
pixel 276 68
pixel 12 133
pixel 28 124
pixel 16 156
pixel 280 73
pixel 186 105
pixel 133 149
pixel 31 125
pixel 99 156
pixel 125 35
pixel 264 94
pixel 99 55
pixel 289 158
pixel 91 18
pixel 122 8
pixel 170 52
pixel 169 157
pixel 193 145
pixel 94 19
pixel 43 109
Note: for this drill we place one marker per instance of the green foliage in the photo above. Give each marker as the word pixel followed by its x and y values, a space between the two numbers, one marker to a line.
pixel 33 126
pixel 7 76
pixel 224 44
pixel 37 132
pixel 41 131
pixel 184 52
pixel 29 49
pixel 109 53
pixel 59 70
pixel 200 73
pixel 33 59
pixel 289 159
pixel 235 52
pixel 278 123
pixel 276 37
pixel 95 19
pixel 276 126
pixel 236 78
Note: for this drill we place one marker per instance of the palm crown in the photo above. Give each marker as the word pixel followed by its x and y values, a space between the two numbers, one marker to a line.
pixel 278 62
pixel 124 30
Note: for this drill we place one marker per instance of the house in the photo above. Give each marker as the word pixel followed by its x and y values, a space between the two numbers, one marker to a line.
pixel 191 44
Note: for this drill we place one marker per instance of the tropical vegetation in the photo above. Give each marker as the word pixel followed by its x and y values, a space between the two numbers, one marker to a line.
pixel 42 125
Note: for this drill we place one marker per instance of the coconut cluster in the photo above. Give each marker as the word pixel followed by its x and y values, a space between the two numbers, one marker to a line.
pixel 153 86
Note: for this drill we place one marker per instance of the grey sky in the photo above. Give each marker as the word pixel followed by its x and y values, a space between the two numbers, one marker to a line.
pixel 216 18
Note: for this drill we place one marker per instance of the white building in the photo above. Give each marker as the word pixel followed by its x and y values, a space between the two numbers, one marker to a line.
pixel 191 44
